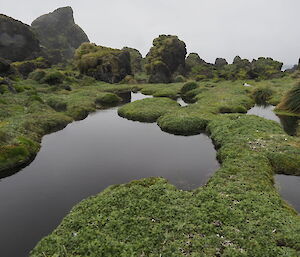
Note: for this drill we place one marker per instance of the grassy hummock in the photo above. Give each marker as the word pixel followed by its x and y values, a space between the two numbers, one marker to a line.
pixel 238 213
pixel 148 110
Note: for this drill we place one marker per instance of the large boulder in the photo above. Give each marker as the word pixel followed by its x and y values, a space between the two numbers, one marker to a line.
pixel 193 60
pixel 220 62
pixel 59 34
pixel 165 58
pixel 266 68
pixel 17 41
pixel 103 63
pixel 136 59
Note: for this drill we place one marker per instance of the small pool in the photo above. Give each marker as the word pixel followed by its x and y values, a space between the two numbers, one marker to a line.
pixel 86 157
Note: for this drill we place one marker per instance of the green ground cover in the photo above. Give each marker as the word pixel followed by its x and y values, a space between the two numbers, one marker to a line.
pixel 238 213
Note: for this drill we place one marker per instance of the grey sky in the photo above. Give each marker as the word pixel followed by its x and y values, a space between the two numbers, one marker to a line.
pixel 212 28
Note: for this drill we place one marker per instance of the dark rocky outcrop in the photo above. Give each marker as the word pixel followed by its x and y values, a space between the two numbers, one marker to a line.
pixel 26 67
pixel 266 68
pixel 17 41
pixel 136 59
pixel 165 59
pixel 59 34
pixel 220 62
pixel 5 68
pixel 103 63
pixel 193 60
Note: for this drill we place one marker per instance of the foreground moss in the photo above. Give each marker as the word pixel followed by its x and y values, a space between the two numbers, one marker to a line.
pixel 238 213
pixel 148 110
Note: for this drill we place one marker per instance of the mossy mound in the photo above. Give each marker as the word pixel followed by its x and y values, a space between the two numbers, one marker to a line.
pixel 183 123
pixel 238 213
pixel 262 95
pixel 165 58
pixel 108 99
pixel 148 110
pixel 291 101
pixel 26 67
pixel 103 63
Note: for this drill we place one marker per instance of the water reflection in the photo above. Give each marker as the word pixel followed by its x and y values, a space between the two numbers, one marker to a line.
pixel 85 158
pixel 289 188
pixel 290 124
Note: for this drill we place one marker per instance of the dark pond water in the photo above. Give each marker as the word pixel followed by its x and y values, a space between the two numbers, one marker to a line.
pixel 82 160
pixel 288 186
pixel 290 124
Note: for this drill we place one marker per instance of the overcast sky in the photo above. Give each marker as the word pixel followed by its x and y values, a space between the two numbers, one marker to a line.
pixel 212 28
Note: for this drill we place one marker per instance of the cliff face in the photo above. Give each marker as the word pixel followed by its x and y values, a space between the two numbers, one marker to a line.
pixel 17 41
pixel 59 34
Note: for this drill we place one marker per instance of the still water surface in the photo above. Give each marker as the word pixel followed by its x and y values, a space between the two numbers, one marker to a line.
pixel 82 160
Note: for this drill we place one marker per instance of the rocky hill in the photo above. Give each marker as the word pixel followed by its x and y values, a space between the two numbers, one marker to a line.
pixel 59 34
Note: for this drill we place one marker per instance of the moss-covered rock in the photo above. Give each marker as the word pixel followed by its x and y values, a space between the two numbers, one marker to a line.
pixel 220 62
pixel 266 68
pixel 17 40
pixel 103 63
pixel 59 34
pixel 136 60
pixel 26 67
pixel 193 60
pixel 165 58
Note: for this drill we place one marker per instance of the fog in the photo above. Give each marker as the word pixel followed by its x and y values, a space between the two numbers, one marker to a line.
pixel 212 28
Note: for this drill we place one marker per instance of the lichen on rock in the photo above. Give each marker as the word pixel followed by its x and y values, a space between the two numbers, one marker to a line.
pixel 103 63
pixel 165 58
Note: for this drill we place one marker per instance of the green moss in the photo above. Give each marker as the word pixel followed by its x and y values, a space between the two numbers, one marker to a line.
pixel 262 95
pixel 188 87
pixel 53 78
pixel 108 99
pixel 147 110
pixel 57 104
pixel 291 101
pixel 238 213
pixel 183 123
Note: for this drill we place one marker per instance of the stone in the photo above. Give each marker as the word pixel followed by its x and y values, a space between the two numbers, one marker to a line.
pixel 59 34
pixel 103 63
pixel 17 40
pixel 165 58
pixel 220 62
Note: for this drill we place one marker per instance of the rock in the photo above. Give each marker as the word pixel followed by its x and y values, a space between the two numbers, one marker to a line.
pixel 197 68
pixel 59 34
pixel 266 68
pixel 136 59
pixel 237 60
pixel 6 86
pixel 193 59
pixel 17 41
pixel 103 63
pixel 165 57
pixel 220 62
pixel 26 67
